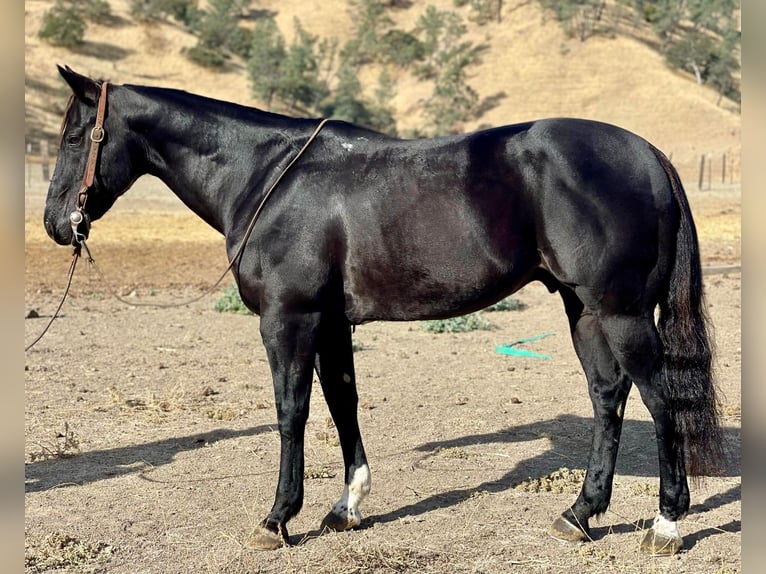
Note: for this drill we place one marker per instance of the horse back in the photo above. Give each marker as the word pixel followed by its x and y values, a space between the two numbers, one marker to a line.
pixel 414 229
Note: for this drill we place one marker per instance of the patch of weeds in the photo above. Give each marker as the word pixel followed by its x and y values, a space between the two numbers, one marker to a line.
pixel 645 489
pixel 594 553
pixel 479 494
pixel 221 413
pixel 453 452
pixel 318 472
pixel 64 445
pixel 118 398
pixel 507 304
pixel 58 551
pixel 389 558
pixel 328 438
pixel 462 324
pixel 231 302
pixel 561 481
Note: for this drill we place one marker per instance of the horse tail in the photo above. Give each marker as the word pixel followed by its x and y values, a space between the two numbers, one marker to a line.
pixel 687 361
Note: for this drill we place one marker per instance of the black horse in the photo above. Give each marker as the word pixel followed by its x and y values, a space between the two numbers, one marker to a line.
pixel 366 227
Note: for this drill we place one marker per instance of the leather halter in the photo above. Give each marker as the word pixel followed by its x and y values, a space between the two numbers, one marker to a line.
pixel 96 137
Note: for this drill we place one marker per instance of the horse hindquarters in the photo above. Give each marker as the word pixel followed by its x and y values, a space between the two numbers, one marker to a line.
pixel 670 363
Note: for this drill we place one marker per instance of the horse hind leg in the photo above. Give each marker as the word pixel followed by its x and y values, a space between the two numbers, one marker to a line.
pixel 608 387
pixel 335 367
pixel 636 344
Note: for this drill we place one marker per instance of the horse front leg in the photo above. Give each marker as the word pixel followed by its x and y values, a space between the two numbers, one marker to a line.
pixel 335 367
pixel 290 341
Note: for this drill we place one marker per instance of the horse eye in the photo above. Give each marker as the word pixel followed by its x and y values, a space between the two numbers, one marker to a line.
pixel 74 140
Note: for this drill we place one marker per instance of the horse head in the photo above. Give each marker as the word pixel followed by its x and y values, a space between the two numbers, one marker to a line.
pixel 74 200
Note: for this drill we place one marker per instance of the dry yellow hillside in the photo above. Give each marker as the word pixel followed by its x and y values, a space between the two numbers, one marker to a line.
pixel 530 65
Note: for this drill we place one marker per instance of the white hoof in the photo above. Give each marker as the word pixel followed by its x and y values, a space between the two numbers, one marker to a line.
pixel 663 538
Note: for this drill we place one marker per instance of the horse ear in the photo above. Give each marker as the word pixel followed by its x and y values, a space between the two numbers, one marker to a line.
pixel 83 87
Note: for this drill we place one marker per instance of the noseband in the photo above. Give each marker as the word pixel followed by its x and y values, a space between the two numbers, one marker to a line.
pixel 96 137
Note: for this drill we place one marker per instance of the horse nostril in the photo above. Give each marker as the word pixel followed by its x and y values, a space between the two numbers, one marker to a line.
pixel 48 227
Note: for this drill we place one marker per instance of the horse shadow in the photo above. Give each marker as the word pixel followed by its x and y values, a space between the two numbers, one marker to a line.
pixel 96 465
pixel 571 435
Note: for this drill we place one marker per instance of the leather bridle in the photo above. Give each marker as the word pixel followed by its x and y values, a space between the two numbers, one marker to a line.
pixel 96 137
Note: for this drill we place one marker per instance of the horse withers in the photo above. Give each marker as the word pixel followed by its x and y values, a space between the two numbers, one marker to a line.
pixel 362 226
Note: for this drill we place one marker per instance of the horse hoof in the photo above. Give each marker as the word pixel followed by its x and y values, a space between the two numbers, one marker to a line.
pixel 659 544
pixel 563 529
pixel 339 523
pixel 264 539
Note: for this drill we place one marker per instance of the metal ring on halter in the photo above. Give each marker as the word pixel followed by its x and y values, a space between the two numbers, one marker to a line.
pixel 75 219
pixel 97 134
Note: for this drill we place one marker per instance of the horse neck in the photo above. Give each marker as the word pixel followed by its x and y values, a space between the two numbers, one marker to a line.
pixel 215 156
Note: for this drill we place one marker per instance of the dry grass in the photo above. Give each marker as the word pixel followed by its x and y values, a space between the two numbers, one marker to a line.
pixel 561 481
pixel 59 551
pixel 62 445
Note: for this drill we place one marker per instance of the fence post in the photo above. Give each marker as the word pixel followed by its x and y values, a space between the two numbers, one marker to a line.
pixel 709 171
pixel 723 168
pixel 44 159
pixel 702 171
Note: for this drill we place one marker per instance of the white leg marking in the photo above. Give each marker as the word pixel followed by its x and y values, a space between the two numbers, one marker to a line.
pixel 353 494
pixel 666 527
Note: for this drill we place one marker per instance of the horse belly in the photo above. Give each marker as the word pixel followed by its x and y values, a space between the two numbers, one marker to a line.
pixel 432 279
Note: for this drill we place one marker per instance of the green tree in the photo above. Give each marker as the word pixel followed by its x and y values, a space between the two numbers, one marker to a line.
pixel 63 25
pixel 218 23
pixel 446 63
pixel 700 36
pixel 401 48
pixel 482 11
pixel 219 34
pixel 453 100
pixel 381 110
pixel 349 103
pixel 439 32
pixel 95 10
pixel 300 83
pixel 370 24
pixel 579 18
pixel 185 11
pixel 267 55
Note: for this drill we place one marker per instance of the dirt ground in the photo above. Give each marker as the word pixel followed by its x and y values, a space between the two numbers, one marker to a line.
pixel 151 445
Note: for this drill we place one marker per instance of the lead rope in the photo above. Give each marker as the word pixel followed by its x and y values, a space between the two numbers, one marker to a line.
pixel 208 290
pixel 75 257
